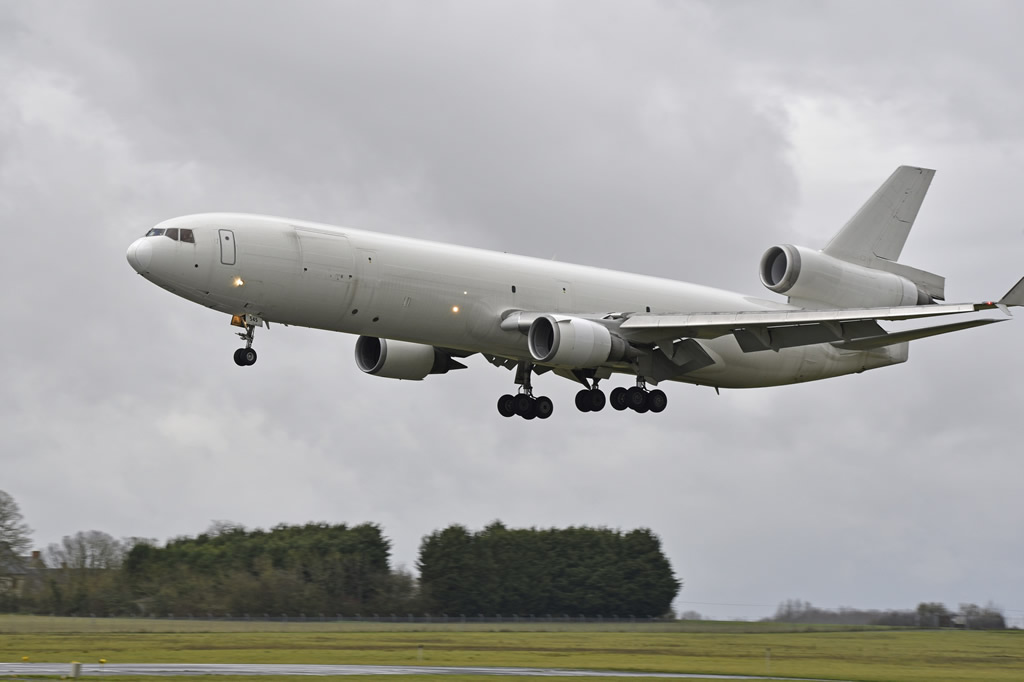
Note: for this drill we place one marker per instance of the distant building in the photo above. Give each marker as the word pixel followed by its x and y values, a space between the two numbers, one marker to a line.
pixel 15 572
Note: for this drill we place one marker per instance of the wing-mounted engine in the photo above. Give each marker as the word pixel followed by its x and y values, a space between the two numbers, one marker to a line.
pixel 811 278
pixel 574 342
pixel 401 359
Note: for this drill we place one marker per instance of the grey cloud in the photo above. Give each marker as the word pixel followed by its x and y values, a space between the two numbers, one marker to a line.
pixel 656 138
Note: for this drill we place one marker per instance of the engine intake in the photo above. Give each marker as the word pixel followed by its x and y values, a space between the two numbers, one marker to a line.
pixel 573 342
pixel 401 359
pixel 806 275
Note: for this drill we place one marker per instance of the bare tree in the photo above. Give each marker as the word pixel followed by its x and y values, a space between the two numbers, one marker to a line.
pixel 15 534
pixel 86 550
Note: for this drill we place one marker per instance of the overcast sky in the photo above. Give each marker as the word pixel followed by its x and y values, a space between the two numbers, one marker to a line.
pixel 679 139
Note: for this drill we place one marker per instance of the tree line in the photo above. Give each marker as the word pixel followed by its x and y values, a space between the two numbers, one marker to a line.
pixel 927 614
pixel 320 568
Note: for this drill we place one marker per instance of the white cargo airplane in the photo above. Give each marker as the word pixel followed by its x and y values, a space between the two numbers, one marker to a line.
pixel 418 305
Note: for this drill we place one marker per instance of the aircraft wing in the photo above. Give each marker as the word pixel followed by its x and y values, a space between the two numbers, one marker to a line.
pixel 776 329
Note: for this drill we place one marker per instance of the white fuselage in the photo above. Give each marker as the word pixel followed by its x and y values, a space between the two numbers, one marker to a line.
pixel 338 279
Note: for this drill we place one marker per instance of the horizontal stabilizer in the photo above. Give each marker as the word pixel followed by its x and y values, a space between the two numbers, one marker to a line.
pixel 912 334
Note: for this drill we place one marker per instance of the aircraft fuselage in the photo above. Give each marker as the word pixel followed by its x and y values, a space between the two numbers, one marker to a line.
pixel 452 297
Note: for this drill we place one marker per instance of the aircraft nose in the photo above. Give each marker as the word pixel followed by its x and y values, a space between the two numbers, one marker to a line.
pixel 140 253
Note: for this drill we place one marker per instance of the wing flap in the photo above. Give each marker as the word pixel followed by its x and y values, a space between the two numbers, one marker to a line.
pixel 652 328
pixel 870 343
pixel 776 329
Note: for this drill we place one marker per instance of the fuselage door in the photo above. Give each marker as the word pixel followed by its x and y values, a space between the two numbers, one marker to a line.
pixel 328 275
pixel 564 299
pixel 227 247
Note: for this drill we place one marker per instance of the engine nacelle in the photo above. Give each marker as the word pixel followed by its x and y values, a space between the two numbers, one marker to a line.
pixel 401 359
pixel 807 275
pixel 573 342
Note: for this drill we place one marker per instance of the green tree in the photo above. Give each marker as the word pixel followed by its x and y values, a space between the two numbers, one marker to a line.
pixel 933 615
pixel 590 571
pixel 310 569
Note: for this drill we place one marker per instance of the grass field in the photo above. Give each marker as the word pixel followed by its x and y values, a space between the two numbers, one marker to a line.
pixel 701 647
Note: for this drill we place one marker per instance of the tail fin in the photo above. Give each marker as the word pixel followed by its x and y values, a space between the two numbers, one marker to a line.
pixel 875 235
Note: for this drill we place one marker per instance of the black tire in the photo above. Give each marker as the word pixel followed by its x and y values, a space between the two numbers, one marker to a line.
pixel 583 400
pixel 238 357
pixel 597 400
pixel 249 356
pixel 636 398
pixel 657 400
pixel 544 407
pixel 506 406
pixel 523 405
pixel 618 398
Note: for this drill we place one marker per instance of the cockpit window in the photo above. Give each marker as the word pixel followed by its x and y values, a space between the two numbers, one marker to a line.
pixel 175 233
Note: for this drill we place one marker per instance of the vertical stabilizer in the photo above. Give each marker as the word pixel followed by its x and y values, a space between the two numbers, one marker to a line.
pixel 880 228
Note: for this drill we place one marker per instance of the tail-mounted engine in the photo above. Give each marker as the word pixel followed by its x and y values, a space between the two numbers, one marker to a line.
pixel 574 342
pixel 811 276
pixel 401 360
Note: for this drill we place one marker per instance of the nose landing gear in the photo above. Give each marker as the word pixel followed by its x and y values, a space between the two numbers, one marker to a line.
pixel 246 356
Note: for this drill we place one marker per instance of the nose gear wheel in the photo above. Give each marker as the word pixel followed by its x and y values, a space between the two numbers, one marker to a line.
pixel 245 357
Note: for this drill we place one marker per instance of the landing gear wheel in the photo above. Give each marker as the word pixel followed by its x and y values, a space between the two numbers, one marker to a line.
pixel 583 400
pixel 507 405
pixel 618 398
pixel 597 399
pixel 246 356
pixel 657 400
pixel 636 399
pixel 524 406
pixel 544 407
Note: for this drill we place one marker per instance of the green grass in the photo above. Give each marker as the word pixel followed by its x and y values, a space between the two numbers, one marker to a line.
pixel 710 648
pixel 14 624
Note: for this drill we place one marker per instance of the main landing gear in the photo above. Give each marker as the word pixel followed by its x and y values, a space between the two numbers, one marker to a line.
pixel 246 356
pixel 638 398
pixel 591 399
pixel 524 403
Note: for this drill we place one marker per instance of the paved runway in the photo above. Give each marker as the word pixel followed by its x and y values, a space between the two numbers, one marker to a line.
pixel 16 669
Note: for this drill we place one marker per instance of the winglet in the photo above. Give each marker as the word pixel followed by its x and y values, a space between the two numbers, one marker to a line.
pixel 1014 296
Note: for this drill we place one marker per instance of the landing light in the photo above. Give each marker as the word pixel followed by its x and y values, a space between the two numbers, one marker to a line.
pixel 455 308
pixel 238 282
